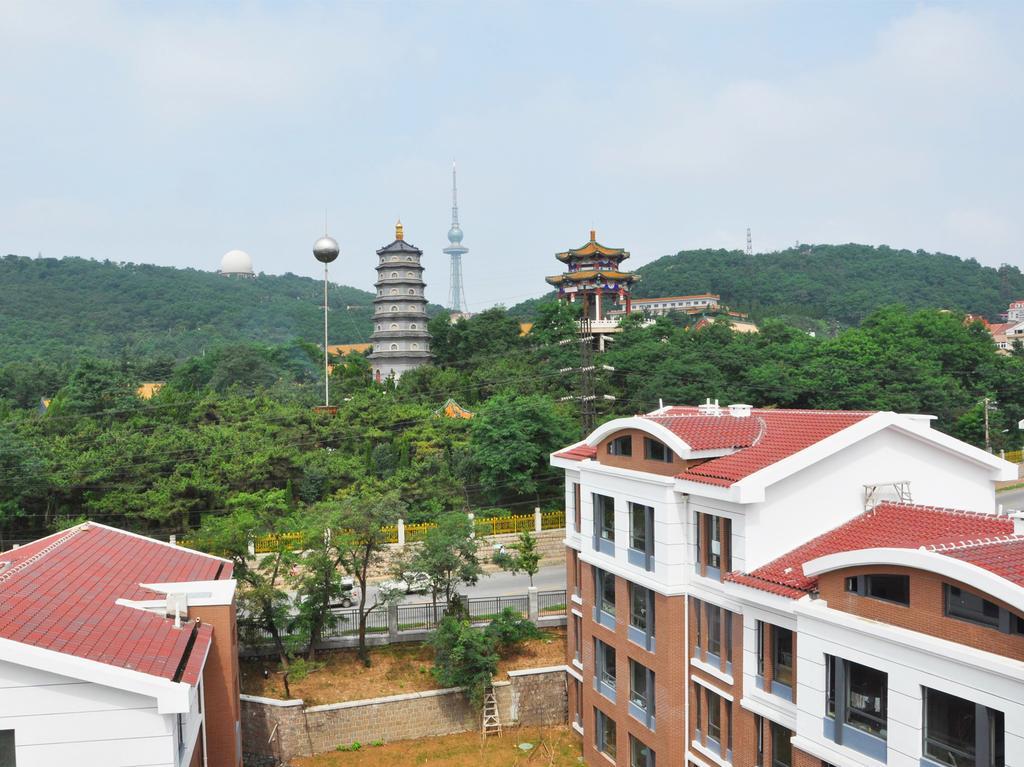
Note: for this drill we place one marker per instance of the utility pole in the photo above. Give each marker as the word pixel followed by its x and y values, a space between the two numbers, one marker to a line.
pixel 587 396
pixel 989 405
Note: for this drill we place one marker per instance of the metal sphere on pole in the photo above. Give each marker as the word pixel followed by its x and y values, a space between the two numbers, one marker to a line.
pixel 326 250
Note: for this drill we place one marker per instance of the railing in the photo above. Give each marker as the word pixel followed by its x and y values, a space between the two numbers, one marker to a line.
pixel 1014 456
pixel 421 616
pixel 520 523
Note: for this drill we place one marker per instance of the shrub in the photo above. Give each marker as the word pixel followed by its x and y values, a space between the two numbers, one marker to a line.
pixel 510 629
pixel 464 657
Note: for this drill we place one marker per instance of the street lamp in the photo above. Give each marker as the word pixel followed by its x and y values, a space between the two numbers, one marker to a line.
pixel 326 250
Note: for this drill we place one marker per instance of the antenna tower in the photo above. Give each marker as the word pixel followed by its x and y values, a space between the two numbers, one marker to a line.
pixel 750 243
pixel 456 250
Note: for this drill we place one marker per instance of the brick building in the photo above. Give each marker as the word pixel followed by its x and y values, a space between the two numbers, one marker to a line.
pixel 117 650
pixel 787 589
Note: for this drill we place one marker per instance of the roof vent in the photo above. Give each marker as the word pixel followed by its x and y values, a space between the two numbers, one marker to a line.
pixel 709 408
pixel 740 411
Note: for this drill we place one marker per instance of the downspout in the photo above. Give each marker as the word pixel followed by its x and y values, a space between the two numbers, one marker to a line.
pixel 686 638
pixel 202 720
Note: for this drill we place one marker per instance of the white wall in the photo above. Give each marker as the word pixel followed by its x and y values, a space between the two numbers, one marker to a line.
pixel 912 661
pixel 831 491
pixel 59 721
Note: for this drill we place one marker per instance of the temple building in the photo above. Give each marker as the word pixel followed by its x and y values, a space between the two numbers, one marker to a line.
pixel 596 279
pixel 400 338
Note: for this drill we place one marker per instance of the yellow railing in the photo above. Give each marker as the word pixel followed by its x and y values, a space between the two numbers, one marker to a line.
pixel 552 520
pixel 1015 456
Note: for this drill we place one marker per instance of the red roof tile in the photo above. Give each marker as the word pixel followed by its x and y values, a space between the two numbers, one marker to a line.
pixel 1003 557
pixel 578 453
pixel 764 437
pixel 888 525
pixel 60 593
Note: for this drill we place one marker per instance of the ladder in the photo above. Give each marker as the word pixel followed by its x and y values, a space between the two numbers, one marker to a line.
pixel 491 722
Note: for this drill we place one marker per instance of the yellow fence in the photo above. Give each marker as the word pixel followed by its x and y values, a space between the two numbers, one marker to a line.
pixel 1016 456
pixel 552 520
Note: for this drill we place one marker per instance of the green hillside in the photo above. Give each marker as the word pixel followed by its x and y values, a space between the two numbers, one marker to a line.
pixel 67 308
pixel 831 282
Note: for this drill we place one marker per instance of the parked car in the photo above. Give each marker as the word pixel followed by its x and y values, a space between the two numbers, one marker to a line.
pixel 349 593
pixel 409 583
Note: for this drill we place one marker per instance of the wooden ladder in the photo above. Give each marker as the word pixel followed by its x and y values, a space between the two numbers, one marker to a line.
pixel 491 721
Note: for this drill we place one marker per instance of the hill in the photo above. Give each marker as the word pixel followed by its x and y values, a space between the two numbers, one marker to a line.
pixel 65 308
pixel 831 282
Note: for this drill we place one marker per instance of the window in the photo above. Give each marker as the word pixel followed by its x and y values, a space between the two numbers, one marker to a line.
pixel 604 668
pixel 656 451
pixel 415 345
pixel 621 446
pixel 639 754
pixel 577 505
pixel 394 291
pixel 577 632
pixel 714 552
pixel 641 693
pixel 698 628
pixel 604 598
pixel 604 733
pixel 394 347
pixel 890 588
pixel 641 616
pixel 579 572
pixel 578 713
pixel 857 701
pixel 782 748
pixel 604 523
pixel 180 720
pixel 759 740
pixel 394 275
pixel 759 647
pixel 410 274
pixel 952 727
pixel 714 728
pixel 782 656
pixel 7 755
pixel 968 606
pixel 394 308
pixel 714 613
pixel 641 536
pixel 413 326
pixel 412 291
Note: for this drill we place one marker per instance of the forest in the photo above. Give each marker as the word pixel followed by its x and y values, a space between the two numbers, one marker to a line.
pixel 235 425
pixel 839 284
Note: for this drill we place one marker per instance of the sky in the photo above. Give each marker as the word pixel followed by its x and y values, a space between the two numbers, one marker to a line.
pixel 170 133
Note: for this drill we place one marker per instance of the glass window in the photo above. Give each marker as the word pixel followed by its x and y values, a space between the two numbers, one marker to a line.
pixel 891 588
pixel 656 451
pixel 577 503
pixel 759 646
pixel 641 528
pixel 714 614
pixel 604 517
pixel 782 655
pixel 782 748
pixel 604 733
pixel 857 696
pixel 578 713
pixel 641 687
pixel 714 728
pixel 606 591
pixel 759 736
pixel 951 730
pixel 968 606
pixel 577 630
pixel 621 446
pixel 605 663
pixel 698 627
pixel 639 754
pixel 7 755
pixel 641 608
pixel 715 537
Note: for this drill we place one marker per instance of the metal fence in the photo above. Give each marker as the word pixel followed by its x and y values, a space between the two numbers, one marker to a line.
pixel 420 616
pixel 1015 456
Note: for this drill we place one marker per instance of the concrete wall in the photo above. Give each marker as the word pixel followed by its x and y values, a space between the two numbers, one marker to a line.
pixel 275 731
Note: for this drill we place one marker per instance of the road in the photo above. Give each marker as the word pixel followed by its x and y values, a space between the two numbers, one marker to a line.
pixel 1011 499
pixel 500 584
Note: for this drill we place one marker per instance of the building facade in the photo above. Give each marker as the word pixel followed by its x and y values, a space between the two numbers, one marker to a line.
pixel 117 650
pixel 400 338
pixel 771 587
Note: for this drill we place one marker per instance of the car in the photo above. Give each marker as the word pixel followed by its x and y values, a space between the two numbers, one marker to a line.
pixel 349 593
pixel 409 583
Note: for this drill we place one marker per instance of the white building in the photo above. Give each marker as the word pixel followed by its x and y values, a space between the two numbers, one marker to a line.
pixel 116 650
pixel 747 543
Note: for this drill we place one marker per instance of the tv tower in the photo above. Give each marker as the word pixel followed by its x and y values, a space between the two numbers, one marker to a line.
pixel 455 249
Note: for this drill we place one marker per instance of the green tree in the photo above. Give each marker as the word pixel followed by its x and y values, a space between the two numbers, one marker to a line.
pixel 464 657
pixel 448 555
pixel 524 559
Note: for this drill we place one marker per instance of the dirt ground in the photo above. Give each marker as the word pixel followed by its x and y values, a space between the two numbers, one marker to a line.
pixel 396 669
pixel 552 747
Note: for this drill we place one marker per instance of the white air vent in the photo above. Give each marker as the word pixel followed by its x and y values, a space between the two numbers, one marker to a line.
pixel 740 411
pixel 177 608
pixel 709 408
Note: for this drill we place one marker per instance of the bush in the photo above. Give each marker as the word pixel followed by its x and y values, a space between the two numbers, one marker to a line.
pixel 464 657
pixel 510 629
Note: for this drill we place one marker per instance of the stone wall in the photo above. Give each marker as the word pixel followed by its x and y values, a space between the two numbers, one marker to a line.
pixel 273 732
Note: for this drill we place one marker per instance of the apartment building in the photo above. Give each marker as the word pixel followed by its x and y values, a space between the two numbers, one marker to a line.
pixel 791 588
pixel 116 649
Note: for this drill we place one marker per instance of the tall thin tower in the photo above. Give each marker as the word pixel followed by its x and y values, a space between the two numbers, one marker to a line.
pixel 455 249
pixel 750 243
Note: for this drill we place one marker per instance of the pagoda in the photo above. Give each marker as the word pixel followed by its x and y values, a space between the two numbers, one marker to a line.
pixel 596 279
pixel 400 338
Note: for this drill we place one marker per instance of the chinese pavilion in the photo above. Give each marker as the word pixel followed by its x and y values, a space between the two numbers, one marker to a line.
pixel 595 278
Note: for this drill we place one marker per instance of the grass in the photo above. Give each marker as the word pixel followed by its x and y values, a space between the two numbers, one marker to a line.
pixel 395 669
pixel 552 747
pixel 1017 486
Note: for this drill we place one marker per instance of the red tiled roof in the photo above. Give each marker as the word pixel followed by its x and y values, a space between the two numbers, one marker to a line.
pixel 764 437
pixel 578 453
pixel 1004 558
pixel 888 525
pixel 60 593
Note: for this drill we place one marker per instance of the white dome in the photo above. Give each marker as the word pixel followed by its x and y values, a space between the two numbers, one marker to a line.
pixel 236 262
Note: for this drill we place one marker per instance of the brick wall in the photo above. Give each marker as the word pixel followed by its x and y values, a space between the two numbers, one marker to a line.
pixel 925 613
pixel 533 697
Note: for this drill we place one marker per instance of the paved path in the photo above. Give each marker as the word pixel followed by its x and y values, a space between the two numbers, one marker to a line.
pixel 1011 499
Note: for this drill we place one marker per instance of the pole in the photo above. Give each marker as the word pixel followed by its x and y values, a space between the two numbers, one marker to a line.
pixel 988 443
pixel 327 377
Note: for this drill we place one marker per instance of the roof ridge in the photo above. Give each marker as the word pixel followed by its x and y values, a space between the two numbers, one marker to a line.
pixel 25 563
pixel 941 509
pixel 975 543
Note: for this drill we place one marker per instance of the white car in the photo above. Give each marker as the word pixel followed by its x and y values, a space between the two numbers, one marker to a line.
pixel 410 583
pixel 349 593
